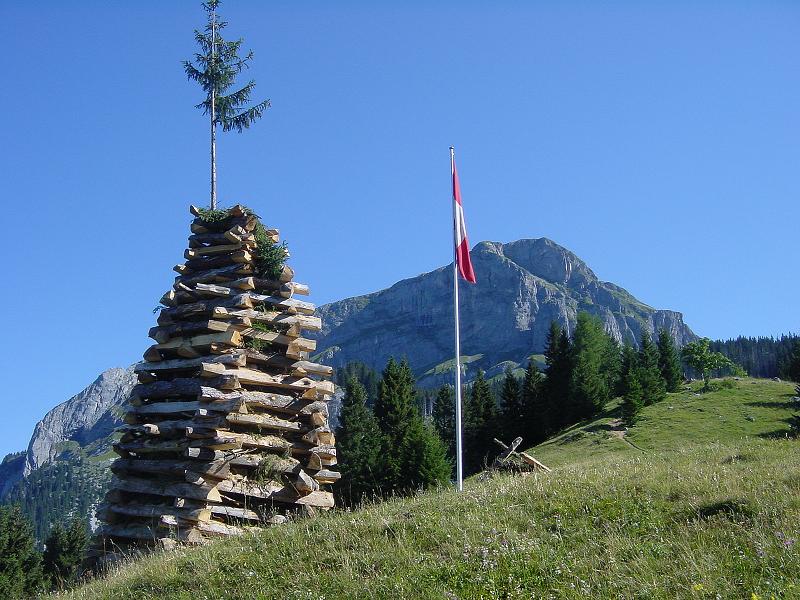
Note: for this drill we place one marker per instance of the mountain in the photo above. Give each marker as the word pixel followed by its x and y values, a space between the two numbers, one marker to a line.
pixel 64 470
pixel 522 286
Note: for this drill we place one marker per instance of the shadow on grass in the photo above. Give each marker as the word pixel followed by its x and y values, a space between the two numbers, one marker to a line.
pixel 734 509
pixel 789 432
pixel 788 404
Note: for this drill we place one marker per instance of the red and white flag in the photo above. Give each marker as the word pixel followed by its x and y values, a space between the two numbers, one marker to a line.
pixel 460 229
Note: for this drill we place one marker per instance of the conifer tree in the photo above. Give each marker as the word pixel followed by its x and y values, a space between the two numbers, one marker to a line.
pixel 395 410
pixel 558 356
pixel 669 361
pixel 793 364
pixel 480 422
pixel 424 458
pixel 653 387
pixel 216 67
pixel 589 385
pixel 444 418
pixel 64 552
pixel 612 363
pixel 512 412
pixel 20 563
pixel 633 398
pixel 630 363
pixel 535 408
pixel 358 446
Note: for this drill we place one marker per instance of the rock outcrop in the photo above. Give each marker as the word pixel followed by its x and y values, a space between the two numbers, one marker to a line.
pixel 84 418
pixel 522 286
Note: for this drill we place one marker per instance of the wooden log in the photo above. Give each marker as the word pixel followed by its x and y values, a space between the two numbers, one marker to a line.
pixel 218 469
pixel 154 534
pixel 264 400
pixel 268 490
pixel 288 304
pixel 178 407
pixel 299 368
pixel 305 484
pixel 182 386
pixel 202 308
pixel 150 446
pixel 193 345
pixel 295 345
pixel 208 528
pixel 236 268
pixel 236 359
pixel 262 442
pixel 233 512
pixel 224 441
pixel 202 491
pixel 533 462
pixel 270 317
pixel 206 263
pixel 326 476
pixel 309 387
pixel 156 511
pixel 322 436
pixel 234 235
pixel 193 253
pixel 264 422
pixel 220 275
pixel 163 333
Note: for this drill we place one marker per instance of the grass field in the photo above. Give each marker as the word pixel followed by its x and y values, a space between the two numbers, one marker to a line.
pixel 707 506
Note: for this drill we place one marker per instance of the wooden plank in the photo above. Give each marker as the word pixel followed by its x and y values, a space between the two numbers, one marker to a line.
pixel 205 263
pixel 182 386
pixel 209 528
pixel 154 534
pixel 245 376
pixel 220 275
pixel 271 317
pixel 264 400
pixel 265 422
pixel 533 462
pixel 202 308
pixel 150 446
pixel 233 512
pixel 236 359
pixel 321 436
pixel 193 253
pixel 289 304
pixel 218 469
pixel 178 407
pixel 163 333
pixel 326 476
pixel 299 368
pixel 202 491
pixel 156 511
pixel 197 342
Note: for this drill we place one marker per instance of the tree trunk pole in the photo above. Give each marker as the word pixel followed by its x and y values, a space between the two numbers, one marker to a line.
pixel 213 114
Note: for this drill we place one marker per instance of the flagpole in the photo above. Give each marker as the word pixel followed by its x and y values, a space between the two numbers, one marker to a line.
pixel 459 445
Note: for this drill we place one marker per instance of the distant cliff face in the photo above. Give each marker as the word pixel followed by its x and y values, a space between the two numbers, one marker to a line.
pixel 84 418
pixel 522 286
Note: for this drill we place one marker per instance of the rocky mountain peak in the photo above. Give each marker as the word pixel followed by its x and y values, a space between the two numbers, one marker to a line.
pixel 522 287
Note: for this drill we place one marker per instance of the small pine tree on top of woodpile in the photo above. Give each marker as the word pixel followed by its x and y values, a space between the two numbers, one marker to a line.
pixel 228 427
pixel 215 68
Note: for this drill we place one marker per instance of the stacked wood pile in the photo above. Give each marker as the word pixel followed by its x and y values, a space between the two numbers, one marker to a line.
pixel 228 426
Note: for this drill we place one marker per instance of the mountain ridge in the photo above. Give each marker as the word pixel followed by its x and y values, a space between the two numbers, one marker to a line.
pixel 522 286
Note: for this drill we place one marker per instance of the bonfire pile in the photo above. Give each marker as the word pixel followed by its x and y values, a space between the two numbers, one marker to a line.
pixel 228 427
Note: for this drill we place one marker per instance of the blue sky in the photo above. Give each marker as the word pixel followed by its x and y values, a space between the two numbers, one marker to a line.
pixel 658 141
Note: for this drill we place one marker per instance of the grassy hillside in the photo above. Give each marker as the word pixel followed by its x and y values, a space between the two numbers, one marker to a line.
pixel 709 507
pixel 749 407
